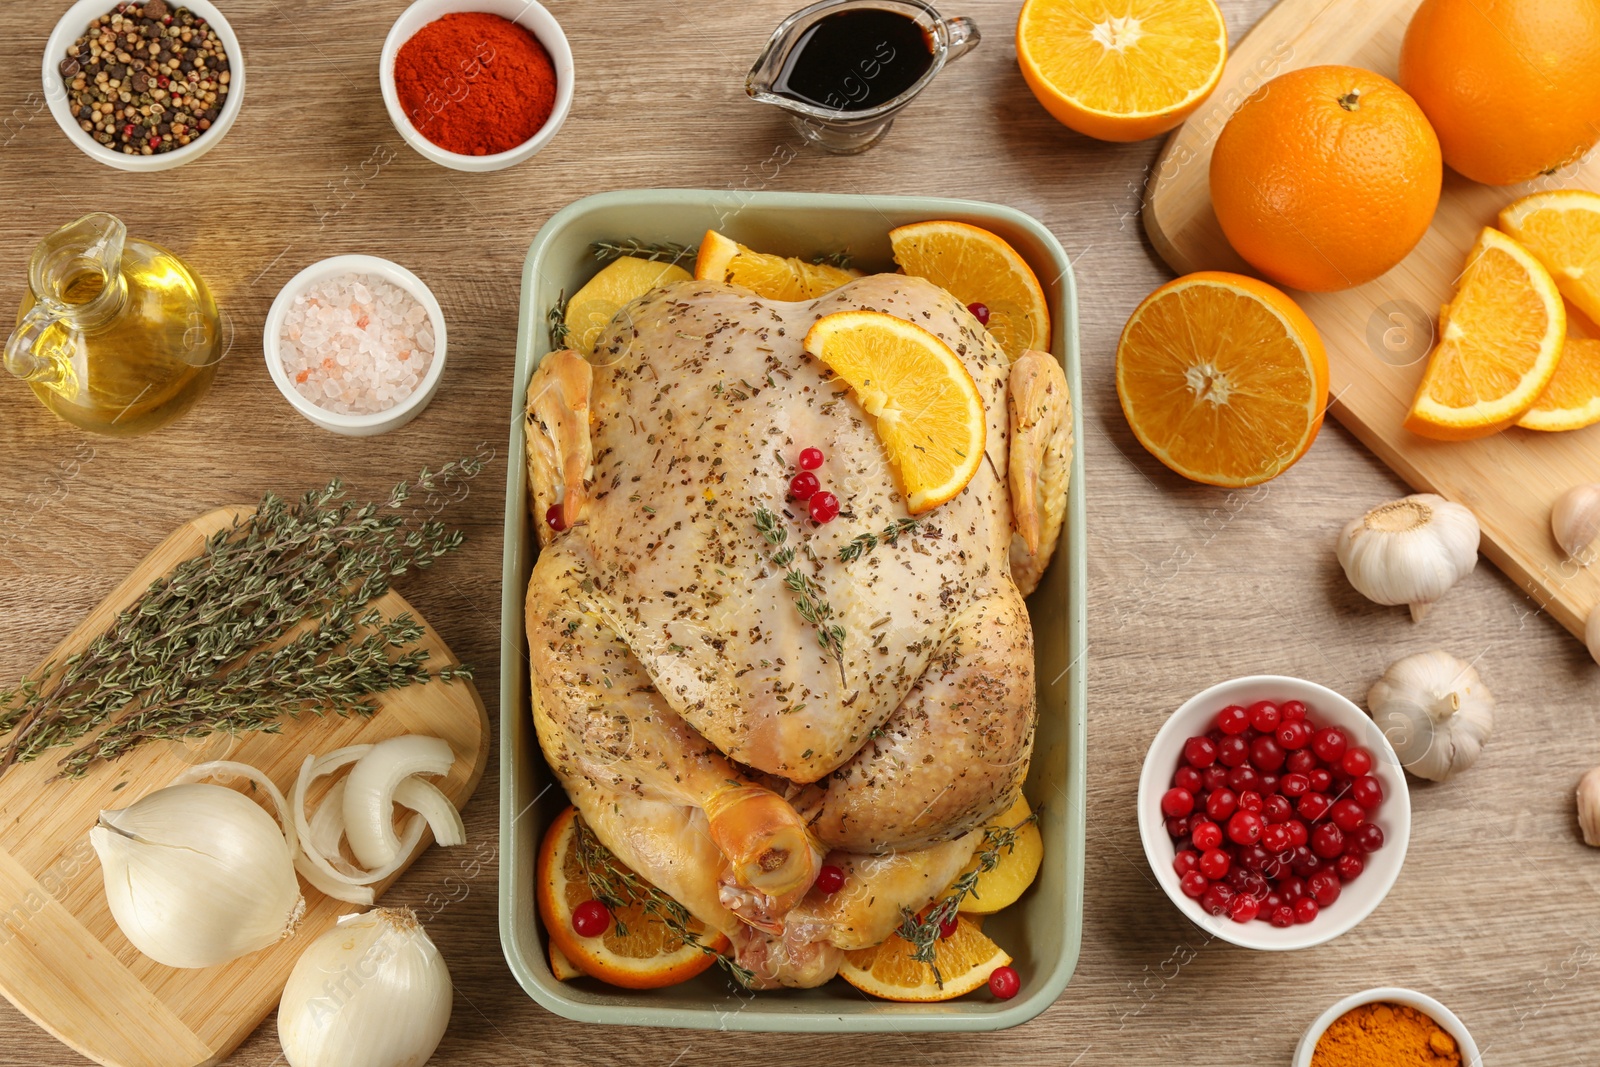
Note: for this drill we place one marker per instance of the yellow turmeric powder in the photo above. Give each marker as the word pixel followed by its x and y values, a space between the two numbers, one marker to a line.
pixel 1385 1035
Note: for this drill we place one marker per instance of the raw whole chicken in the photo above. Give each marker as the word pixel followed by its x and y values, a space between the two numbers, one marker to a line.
pixel 686 689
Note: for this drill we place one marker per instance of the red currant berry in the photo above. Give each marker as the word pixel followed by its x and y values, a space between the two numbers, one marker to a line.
pixel 1216 898
pixel 1369 837
pixel 980 312
pixel 1264 716
pixel 1250 800
pixel 1221 804
pixel 947 928
pixel 1282 916
pixel 1185 861
pixel 830 880
pixel 1266 754
pixel 1269 782
pixel 1215 863
pixel 803 485
pixel 1294 734
pixel 1327 841
pixel 1313 806
pixel 1294 785
pixel 1367 791
pixel 1321 780
pixel 555 518
pixel 1329 744
pixel 1275 838
pixel 590 919
pixel 1277 808
pixel 1178 826
pixel 1194 885
pixel 1233 751
pixel 1305 862
pixel 824 507
pixel 1177 803
pixel 1201 752
pixel 1188 778
pixel 1356 762
pixel 1324 887
pixel 1246 778
pixel 1215 776
pixel 1004 983
pixel 1301 761
pixel 1206 835
pixel 1233 719
pixel 1244 828
pixel 810 459
pixel 1347 815
pixel 1305 910
pixel 1243 908
pixel 1349 866
pixel 1291 710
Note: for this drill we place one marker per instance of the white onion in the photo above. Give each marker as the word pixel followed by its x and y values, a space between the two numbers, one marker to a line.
pixel 369 792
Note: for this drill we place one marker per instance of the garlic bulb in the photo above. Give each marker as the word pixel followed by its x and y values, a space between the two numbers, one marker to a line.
pixel 371 992
pixel 1435 711
pixel 1575 521
pixel 1589 807
pixel 197 875
pixel 1409 551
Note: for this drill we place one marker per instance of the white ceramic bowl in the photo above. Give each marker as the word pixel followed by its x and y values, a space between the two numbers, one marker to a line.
pixel 1394 995
pixel 1324 707
pixel 355 425
pixel 526 13
pixel 72 26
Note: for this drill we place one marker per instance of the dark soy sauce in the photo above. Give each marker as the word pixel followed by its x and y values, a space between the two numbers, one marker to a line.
pixel 855 60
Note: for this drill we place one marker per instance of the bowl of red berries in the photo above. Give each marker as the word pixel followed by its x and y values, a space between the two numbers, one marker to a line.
pixel 1273 812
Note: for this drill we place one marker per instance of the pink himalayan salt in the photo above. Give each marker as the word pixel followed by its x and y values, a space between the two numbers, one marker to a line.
pixel 356 344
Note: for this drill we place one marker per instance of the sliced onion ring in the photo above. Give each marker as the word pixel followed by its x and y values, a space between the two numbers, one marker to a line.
pixel 231 769
pixel 429 801
pixel 369 795
pixel 322 871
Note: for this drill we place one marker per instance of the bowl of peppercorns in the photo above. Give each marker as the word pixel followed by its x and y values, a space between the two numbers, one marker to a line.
pixel 1274 812
pixel 144 85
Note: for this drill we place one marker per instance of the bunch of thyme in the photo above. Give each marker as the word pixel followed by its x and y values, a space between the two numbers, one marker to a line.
pixel 617 887
pixel 808 595
pixel 864 543
pixel 213 645
pixel 923 934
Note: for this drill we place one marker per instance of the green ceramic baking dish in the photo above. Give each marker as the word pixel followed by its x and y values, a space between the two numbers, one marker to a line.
pixel 1042 930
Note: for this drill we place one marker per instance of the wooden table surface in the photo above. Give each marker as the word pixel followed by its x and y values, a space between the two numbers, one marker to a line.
pixel 1494 913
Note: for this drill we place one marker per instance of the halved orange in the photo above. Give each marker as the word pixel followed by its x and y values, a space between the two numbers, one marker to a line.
pixel 978 267
pixel 965 960
pixel 926 407
pixel 1572 399
pixel 1121 70
pixel 1500 341
pixel 1562 230
pixel 650 955
pixel 1222 378
pixel 768 276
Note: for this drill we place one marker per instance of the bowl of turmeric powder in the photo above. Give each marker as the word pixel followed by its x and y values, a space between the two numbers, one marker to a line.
pixel 476 85
pixel 1387 1027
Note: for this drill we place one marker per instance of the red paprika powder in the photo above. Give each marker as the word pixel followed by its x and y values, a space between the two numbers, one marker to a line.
pixel 475 84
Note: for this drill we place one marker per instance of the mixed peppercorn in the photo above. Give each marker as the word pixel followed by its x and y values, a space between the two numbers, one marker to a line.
pixel 146 78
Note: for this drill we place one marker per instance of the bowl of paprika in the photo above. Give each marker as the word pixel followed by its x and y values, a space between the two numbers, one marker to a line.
pixel 476 85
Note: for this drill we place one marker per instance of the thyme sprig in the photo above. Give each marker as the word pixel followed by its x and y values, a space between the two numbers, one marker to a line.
pixel 606 251
pixel 809 599
pixel 617 887
pixel 923 934
pixel 864 543
pixel 841 259
pixel 212 645
pixel 555 321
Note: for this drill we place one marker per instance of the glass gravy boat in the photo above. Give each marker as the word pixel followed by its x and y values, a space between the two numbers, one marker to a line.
pixel 836 123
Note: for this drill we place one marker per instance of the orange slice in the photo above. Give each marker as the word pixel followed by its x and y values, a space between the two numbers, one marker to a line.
pixel 1572 399
pixel 618 284
pixel 1222 378
pixel 650 955
pixel 977 267
pixel 965 960
pixel 1121 70
pixel 768 276
pixel 1001 885
pixel 564 969
pixel 928 413
pixel 1562 229
pixel 1500 341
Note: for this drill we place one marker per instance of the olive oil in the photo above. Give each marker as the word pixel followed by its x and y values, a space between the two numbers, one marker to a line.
pixel 856 59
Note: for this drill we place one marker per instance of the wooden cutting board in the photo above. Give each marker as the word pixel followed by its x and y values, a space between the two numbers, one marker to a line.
pixel 1378 335
pixel 64 963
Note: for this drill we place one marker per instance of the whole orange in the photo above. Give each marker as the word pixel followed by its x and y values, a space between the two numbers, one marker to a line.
pixel 1326 177
pixel 1511 86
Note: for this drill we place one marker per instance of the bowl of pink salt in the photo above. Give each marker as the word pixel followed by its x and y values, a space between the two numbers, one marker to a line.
pixel 356 344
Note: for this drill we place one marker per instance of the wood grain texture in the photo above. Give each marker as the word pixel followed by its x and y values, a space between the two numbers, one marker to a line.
pixel 1494 912
pixel 63 960
pixel 1378 334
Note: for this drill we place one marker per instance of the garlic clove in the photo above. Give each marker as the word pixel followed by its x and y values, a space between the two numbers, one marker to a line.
pixel 1575 522
pixel 1409 551
pixel 1589 807
pixel 1591 633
